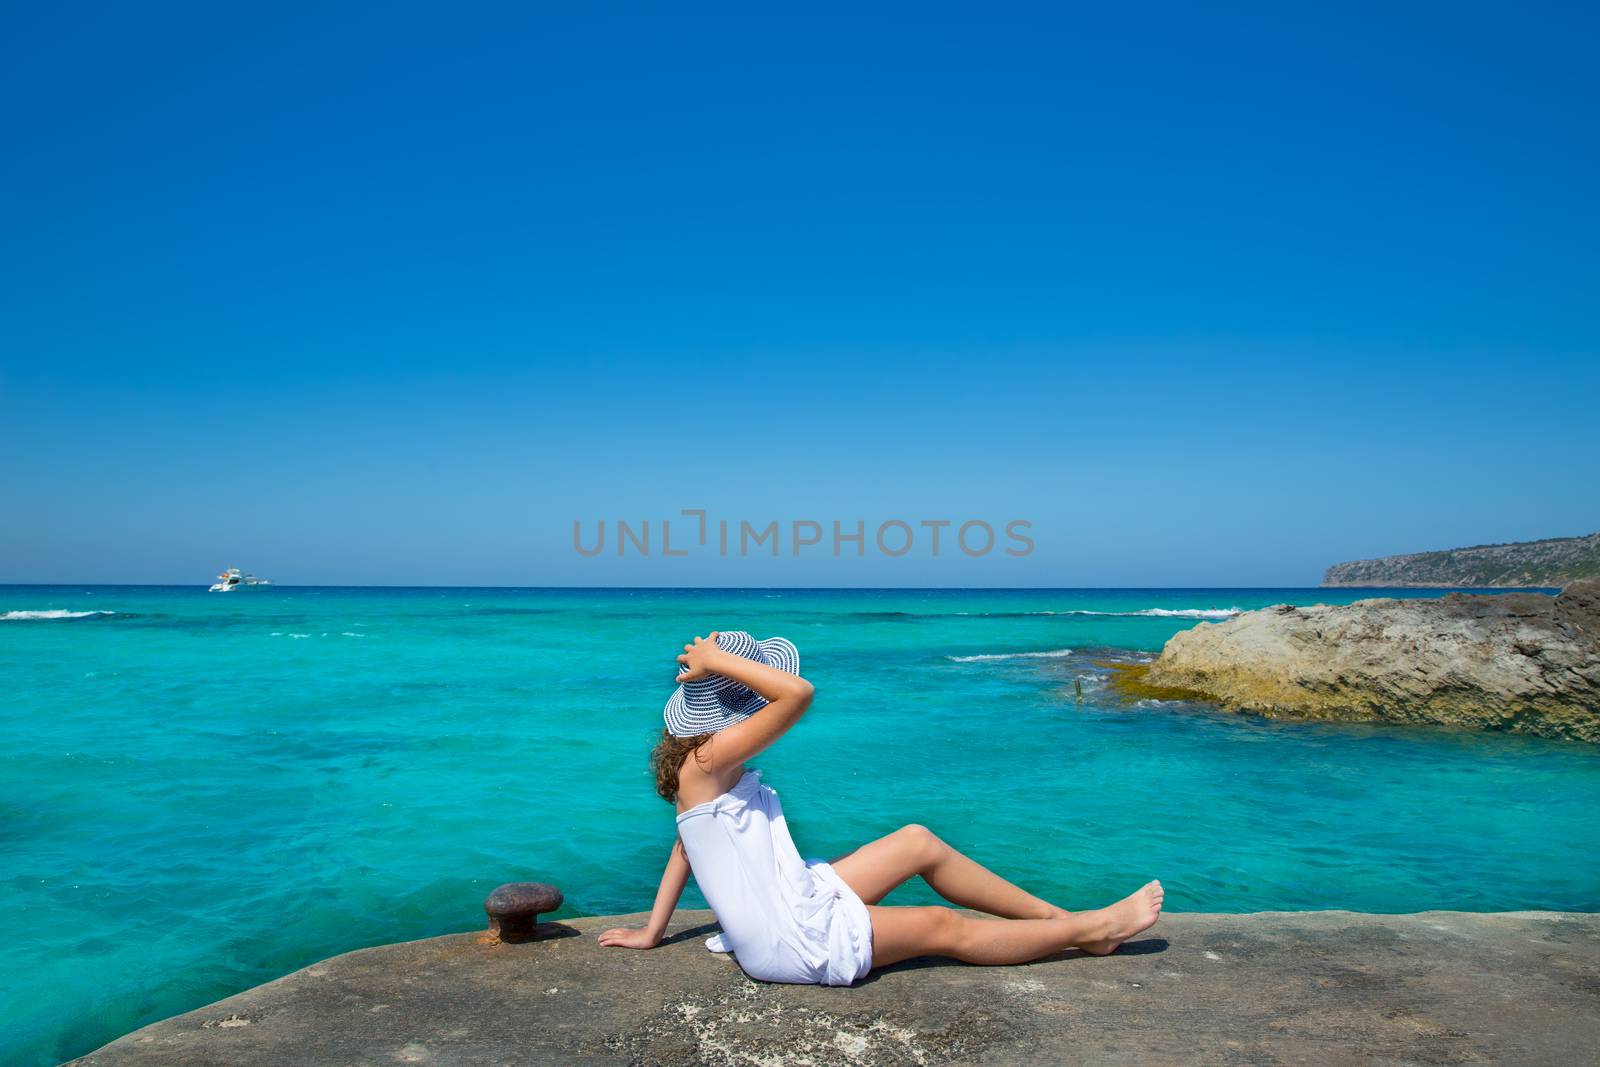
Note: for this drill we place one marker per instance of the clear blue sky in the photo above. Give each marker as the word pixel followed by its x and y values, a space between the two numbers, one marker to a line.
pixel 392 296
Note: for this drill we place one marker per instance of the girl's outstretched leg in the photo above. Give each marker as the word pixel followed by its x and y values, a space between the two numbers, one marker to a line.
pixel 879 866
pixel 903 933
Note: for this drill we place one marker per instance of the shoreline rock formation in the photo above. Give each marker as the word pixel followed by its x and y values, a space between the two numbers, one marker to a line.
pixel 1519 662
pixel 1277 987
pixel 1550 564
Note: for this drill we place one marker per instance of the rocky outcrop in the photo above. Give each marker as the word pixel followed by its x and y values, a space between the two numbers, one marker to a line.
pixel 1524 662
pixel 1297 987
pixel 1551 564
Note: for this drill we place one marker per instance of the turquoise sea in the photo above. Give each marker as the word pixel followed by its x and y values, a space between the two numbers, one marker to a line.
pixel 200 792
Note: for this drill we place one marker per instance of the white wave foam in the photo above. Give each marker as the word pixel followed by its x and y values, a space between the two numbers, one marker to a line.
pixel 1166 613
pixel 1054 654
pixel 1147 613
pixel 22 616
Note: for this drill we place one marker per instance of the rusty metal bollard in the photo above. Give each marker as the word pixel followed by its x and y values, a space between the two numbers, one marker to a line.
pixel 515 907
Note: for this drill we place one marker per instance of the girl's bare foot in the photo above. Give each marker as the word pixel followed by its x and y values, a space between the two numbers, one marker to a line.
pixel 1133 914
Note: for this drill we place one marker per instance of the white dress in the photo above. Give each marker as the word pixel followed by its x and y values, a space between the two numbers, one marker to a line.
pixel 785 919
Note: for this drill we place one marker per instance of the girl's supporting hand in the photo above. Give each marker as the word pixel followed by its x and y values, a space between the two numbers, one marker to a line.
pixel 629 937
pixel 699 659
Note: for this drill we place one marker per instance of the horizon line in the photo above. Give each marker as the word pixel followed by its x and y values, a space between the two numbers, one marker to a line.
pixel 782 588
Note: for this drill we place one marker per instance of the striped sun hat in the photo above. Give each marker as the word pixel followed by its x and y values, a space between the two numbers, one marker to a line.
pixel 714 703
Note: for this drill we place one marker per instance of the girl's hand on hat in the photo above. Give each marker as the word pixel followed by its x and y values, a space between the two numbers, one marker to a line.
pixel 699 658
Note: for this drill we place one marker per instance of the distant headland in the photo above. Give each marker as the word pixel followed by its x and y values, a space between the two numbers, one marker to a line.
pixel 1552 563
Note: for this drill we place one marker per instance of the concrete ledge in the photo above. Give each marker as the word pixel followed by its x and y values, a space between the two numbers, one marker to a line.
pixel 1281 987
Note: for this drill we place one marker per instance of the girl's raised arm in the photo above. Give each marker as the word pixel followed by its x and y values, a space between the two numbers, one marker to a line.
pixel 788 696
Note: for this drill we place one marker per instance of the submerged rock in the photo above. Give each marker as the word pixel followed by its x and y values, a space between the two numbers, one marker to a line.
pixel 1522 662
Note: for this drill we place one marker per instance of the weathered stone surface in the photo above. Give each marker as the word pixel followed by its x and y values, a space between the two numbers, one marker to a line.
pixel 1319 987
pixel 515 907
pixel 1523 662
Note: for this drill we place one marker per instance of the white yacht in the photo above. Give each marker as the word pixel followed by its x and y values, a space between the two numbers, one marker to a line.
pixel 233 578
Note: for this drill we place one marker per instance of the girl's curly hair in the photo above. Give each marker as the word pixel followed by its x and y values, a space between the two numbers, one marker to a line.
pixel 667 759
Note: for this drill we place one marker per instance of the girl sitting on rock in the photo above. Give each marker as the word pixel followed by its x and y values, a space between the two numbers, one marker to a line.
pixel 791 920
